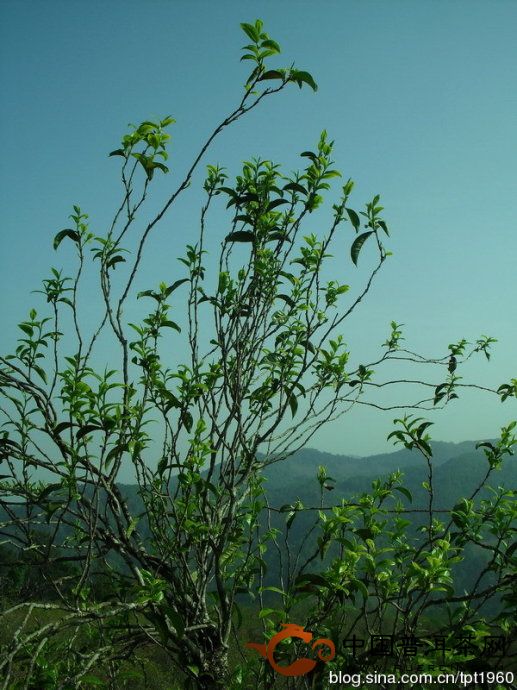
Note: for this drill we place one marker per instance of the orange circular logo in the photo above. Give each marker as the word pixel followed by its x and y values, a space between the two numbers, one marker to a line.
pixel 302 666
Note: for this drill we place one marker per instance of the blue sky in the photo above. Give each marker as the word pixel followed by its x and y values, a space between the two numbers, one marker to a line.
pixel 420 98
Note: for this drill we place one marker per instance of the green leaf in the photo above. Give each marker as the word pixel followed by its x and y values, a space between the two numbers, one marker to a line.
pixel 114 261
pixel 228 190
pixel 358 244
pixel 245 198
pixel 362 588
pixel 187 420
pixel 48 490
pixel 331 173
pixel 114 452
pixel 161 167
pixel 251 32
pixel 62 426
pixel 244 218
pixel 272 45
pixel 175 619
pixel 275 203
pixel 118 152
pixel 51 509
pixel 293 404
pixel 422 427
pixel 383 225
pixel 405 492
pixel 67 232
pixel 40 371
pixel 87 429
pixel 271 74
pixel 310 347
pixel 288 300
pixel 310 581
pixel 265 613
pixel 132 526
pixel 300 77
pixel 485 444
pixel 240 236
pixel 266 53
pixel 277 590
pixel 364 533
pixel 193 669
pixel 295 187
pixel 148 293
pixel 278 236
pixel 93 680
pixel 27 329
pixel 354 218
pixel 290 519
pixel 170 324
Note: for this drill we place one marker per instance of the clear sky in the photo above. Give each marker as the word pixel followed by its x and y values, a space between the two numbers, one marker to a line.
pixel 420 98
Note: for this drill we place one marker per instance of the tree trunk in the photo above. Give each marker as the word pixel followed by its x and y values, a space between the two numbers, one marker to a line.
pixel 214 674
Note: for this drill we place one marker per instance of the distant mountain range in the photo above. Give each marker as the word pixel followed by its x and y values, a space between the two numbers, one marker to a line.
pixel 458 468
